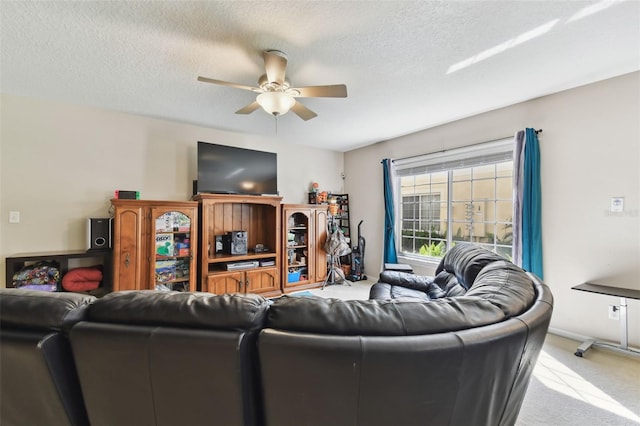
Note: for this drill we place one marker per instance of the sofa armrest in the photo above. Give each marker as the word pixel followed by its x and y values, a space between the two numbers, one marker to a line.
pixel 407 280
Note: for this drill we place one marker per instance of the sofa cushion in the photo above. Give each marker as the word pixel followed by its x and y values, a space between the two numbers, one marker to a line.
pixel 381 317
pixel 385 291
pixel 407 280
pixel 181 309
pixel 449 284
pixel 39 310
pixel 405 285
pixel 465 260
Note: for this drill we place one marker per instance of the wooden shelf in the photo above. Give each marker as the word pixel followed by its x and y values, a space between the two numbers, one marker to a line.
pixel 258 216
pixel 238 257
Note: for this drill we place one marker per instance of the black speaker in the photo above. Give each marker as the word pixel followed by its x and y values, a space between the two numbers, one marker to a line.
pixel 99 233
pixel 235 242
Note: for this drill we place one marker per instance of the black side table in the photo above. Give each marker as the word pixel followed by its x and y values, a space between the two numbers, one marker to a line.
pixel 623 294
pixel 18 261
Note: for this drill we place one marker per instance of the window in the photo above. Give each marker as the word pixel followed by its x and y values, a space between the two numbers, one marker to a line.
pixel 458 195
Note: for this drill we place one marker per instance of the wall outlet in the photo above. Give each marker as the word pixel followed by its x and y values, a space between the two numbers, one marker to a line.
pixel 614 313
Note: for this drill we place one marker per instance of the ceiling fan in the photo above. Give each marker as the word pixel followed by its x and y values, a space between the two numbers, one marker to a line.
pixel 276 96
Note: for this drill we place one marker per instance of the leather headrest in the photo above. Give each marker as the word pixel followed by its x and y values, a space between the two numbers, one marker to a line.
pixel 42 310
pixel 181 309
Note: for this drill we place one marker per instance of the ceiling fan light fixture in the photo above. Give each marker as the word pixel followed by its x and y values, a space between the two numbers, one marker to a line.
pixel 275 103
pixel 276 96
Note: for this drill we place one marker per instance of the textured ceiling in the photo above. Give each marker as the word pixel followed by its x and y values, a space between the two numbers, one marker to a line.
pixel 408 65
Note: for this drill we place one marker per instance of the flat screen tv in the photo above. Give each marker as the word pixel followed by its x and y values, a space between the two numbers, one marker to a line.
pixel 230 170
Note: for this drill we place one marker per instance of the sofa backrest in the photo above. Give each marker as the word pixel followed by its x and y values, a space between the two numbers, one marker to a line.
pixel 167 358
pixel 498 290
pixel 465 261
pixel 381 363
pixel 39 384
pixel 504 285
pixel 380 317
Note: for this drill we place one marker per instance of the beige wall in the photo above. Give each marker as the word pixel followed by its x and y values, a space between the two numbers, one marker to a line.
pixel 60 164
pixel 590 152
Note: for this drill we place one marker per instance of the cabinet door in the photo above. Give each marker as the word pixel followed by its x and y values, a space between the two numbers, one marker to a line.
pixel 261 280
pixel 297 224
pixel 320 237
pixel 129 262
pixel 232 282
pixel 172 259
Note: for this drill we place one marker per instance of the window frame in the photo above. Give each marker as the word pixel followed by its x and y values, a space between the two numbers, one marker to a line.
pixel 492 152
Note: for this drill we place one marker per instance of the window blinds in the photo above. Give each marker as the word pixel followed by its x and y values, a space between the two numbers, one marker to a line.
pixel 470 156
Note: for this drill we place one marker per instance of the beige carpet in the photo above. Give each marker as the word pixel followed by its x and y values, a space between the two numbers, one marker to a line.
pixel 351 290
pixel 600 389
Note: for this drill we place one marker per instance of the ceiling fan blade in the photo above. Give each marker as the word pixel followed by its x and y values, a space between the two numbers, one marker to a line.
pixel 275 65
pixel 333 91
pixel 226 83
pixel 249 108
pixel 303 112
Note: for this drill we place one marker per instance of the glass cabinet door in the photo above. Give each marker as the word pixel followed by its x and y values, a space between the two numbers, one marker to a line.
pixel 297 254
pixel 172 251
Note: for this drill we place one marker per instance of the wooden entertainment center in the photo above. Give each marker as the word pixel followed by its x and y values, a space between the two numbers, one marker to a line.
pixel 264 268
pixel 279 247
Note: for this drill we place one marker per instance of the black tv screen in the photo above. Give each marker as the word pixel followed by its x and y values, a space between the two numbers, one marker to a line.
pixel 230 170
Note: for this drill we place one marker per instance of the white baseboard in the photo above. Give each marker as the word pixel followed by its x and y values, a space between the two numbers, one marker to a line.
pixel 568 334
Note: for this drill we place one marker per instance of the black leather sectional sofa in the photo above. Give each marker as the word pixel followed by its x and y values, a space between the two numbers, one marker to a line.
pixel 455 349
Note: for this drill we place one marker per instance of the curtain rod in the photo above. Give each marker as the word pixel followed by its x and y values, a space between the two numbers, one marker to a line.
pixel 444 150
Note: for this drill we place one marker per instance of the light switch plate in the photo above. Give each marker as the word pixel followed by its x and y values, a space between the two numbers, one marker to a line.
pixel 617 204
pixel 14 217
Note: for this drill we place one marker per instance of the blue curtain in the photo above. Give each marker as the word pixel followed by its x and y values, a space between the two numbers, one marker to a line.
pixel 527 228
pixel 389 249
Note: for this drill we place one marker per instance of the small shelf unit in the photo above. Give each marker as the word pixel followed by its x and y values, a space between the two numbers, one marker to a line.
pixel 304 260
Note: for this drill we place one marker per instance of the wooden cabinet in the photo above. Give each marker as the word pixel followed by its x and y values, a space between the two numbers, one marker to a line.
pixel 154 245
pixel 255 280
pixel 304 262
pixel 256 269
